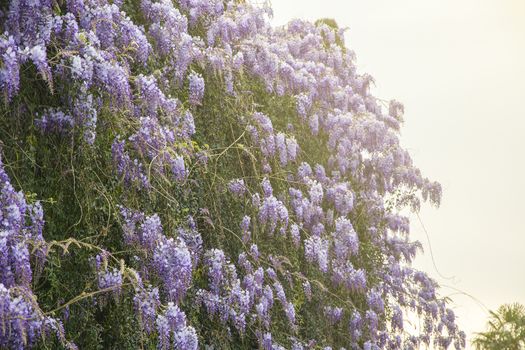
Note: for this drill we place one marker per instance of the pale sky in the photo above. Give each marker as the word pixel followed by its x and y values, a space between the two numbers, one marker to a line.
pixel 459 68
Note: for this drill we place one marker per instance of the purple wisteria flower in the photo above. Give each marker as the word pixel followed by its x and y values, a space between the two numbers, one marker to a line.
pixel 333 314
pixel 346 242
pixel 215 260
pixel 132 171
pixel 174 333
pixel 172 262
pixel 111 280
pixel 296 235
pixel 316 250
pixel 237 187
pixel 397 318
pixel 39 57
pixel 193 240
pixel 22 322
pixel 245 228
pixel 307 288
pixel 10 70
pixel 196 88
pixel 147 302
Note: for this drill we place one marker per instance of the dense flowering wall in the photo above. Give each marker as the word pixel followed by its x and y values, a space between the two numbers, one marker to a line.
pixel 181 175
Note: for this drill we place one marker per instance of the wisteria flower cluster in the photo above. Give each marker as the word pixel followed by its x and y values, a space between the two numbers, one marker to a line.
pixel 280 229
pixel 22 322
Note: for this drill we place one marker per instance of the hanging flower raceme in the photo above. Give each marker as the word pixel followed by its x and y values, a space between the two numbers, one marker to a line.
pixel 196 88
pixel 22 322
pixel 172 261
pixel 174 333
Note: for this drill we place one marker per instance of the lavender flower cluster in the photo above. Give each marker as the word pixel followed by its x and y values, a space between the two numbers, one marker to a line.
pixel 22 322
pixel 171 259
pixel 326 213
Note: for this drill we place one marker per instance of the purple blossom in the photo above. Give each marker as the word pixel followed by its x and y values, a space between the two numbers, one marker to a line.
pixel 397 318
pixel 238 60
pixel 267 341
pixel 254 251
pixel 178 168
pixel 279 291
pixel 292 148
pixel 343 273
pixel 264 306
pixel 316 250
pixel 210 300
pixel 396 109
pixel 147 302
pixel 10 70
pixel 20 225
pixel 333 314
pixel 304 171
pixel 173 329
pixel 304 103
pixel 133 36
pixel 196 88
pixel 82 68
pixel 356 325
pixel 245 263
pixel 55 121
pixel 375 301
pixel 268 213
pixel 114 78
pixel 172 262
pixel 318 229
pixel 297 345
pixel 342 198
pixel 131 171
pixel 372 321
pixel 316 192
pixel 271 274
pixel 85 114
pixel 193 240
pixel 110 279
pixel 129 226
pixel 150 232
pixel 289 310
pixel 39 57
pixel 20 261
pixel 245 228
pixel 256 200
pixel 150 94
pixel 346 242
pixel 22 322
pixel 40 248
pixel 296 235
pixel 267 187
pixel 237 187
pixel 215 260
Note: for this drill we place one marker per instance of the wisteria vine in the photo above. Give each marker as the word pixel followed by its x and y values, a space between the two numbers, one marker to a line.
pixel 320 241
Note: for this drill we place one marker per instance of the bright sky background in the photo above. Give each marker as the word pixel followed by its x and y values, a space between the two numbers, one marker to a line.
pixel 459 68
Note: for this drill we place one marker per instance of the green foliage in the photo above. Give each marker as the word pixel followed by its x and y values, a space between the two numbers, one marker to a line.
pixel 328 21
pixel 505 329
